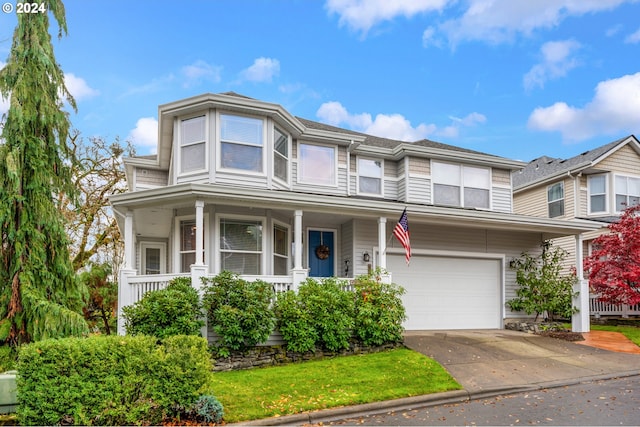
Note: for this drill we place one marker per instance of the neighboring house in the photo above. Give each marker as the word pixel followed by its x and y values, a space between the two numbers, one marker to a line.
pixel 240 184
pixel 596 185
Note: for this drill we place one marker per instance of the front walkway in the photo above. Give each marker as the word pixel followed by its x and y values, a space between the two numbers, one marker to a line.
pixel 612 341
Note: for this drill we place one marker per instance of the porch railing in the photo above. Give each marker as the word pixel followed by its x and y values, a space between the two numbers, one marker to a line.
pixel 599 308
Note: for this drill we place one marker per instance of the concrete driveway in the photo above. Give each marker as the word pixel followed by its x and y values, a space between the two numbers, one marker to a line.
pixel 491 360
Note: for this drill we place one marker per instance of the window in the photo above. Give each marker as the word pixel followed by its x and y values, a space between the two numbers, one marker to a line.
pixel 627 192
pixel 153 258
pixel 241 246
pixel 241 143
pixel 280 250
pixel 597 187
pixel 317 164
pixel 555 199
pixel 280 155
pixel 457 185
pixel 370 176
pixel 193 144
pixel 187 245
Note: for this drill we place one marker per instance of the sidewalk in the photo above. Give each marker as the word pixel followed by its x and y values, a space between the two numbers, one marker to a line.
pixel 495 362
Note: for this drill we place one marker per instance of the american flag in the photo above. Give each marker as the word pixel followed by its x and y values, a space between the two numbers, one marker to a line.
pixel 401 231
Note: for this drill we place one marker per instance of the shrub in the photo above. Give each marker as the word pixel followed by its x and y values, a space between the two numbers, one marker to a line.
pixel 110 380
pixel 321 313
pixel 8 358
pixel 379 311
pixel 295 323
pixel 207 409
pixel 175 310
pixel 238 311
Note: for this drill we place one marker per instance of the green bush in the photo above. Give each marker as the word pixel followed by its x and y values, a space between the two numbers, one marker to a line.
pixel 207 409
pixel 8 358
pixel 238 311
pixel 379 311
pixel 295 323
pixel 175 310
pixel 321 313
pixel 111 380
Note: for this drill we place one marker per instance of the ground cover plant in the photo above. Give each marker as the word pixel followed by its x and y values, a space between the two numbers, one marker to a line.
pixel 327 383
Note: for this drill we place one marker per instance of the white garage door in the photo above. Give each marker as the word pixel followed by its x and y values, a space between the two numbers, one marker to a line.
pixel 449 293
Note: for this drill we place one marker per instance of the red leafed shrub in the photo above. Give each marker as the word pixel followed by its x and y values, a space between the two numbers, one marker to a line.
pixel 614 264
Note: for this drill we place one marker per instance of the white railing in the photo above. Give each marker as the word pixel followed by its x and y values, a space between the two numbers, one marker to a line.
pixel 279 283
pixel 140 285
pixel 599 308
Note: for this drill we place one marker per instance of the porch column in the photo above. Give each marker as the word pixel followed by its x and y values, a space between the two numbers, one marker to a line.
pixel 199 232
pixel 129 244
pixel 580 320
pixel 299 274
pixel 382 243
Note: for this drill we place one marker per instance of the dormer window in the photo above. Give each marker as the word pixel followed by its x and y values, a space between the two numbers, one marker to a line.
pixel 241 143
pixel 193 144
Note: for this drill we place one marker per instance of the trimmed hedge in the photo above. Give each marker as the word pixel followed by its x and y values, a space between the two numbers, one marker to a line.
pixel 111 380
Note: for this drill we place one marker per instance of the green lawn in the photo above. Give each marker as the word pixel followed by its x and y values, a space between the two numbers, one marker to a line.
pixel 631 332
pixel 340 381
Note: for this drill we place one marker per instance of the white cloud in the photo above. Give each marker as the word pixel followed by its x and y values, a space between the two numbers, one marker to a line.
pixel 362 15
pixel 201 71
pixel 393 126
pixel 557 60
pixel 262 70
pixel 145 134
pixel 78 87
pixel 633 38
pixel 614 108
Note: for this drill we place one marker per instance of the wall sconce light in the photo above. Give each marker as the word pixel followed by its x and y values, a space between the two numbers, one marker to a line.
pixel 346 267
pixel 366 257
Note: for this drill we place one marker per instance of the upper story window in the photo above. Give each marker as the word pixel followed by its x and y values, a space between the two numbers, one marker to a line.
pixel 555 199
pixel 241 143
pixel 280 155
pixel 370 176
pixel 193 146
pixel 627 192
pixel 597 188
pixel 317 164
pixel 458 185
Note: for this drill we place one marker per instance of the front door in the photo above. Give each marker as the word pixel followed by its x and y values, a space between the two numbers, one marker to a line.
pixel 321 253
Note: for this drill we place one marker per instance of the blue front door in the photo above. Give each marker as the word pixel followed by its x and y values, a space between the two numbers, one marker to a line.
pixel 321 253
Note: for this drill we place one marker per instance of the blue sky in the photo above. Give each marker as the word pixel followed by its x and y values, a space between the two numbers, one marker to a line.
pixel 515 78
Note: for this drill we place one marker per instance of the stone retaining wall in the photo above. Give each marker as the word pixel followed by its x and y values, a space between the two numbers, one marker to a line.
pixel 278 355
pixel 534 327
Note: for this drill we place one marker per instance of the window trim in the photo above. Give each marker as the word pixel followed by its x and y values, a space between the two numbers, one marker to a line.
pixel 275 223
pixel 146 244
pixel 615 192
pixel 218 252
pixel 206 143
pixel 562 199
pixel 462 185
pixel 358 175
pixel 275 127
pixel 218 138
pixel 177 239
pixel 299 164
pixel 605 194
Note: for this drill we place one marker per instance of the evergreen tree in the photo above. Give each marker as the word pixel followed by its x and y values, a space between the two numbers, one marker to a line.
pixel 39 294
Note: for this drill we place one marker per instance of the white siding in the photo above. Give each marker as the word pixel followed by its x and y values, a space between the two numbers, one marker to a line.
pixel 501 199
pixel 419 190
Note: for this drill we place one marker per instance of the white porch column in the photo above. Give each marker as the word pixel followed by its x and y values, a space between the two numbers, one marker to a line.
pixel 197 273
pixel 129 244
pixel 125 296
pixel 580 320
pixel 199 232
pixel 382 243
pixel 299 274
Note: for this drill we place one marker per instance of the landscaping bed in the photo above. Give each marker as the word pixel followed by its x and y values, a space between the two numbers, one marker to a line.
pixel 548 329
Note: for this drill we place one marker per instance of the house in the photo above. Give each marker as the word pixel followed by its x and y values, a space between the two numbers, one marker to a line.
pixel 596 185
pixel 240 184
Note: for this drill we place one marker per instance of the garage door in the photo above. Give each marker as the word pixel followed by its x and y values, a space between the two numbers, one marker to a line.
pixel 449 293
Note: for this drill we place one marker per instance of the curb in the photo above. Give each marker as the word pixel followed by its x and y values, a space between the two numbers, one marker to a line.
pixel 417 402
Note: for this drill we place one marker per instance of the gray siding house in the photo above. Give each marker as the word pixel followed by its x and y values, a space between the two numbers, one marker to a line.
pixel 240 184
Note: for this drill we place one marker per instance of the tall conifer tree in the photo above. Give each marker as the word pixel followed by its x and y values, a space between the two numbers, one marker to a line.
pixel 39 294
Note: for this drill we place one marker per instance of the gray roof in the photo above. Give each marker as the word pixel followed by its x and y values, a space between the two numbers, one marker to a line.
pixel 545 167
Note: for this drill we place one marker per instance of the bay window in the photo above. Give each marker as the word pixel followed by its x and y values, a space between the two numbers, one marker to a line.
pixel 555 199
pixel 193 144
pixel 280 155
pixel 597 188
pixel 627 192
pixel 241 143
pixel 241 246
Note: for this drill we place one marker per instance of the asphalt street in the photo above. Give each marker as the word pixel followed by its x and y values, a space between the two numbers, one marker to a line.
pixel 597 403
